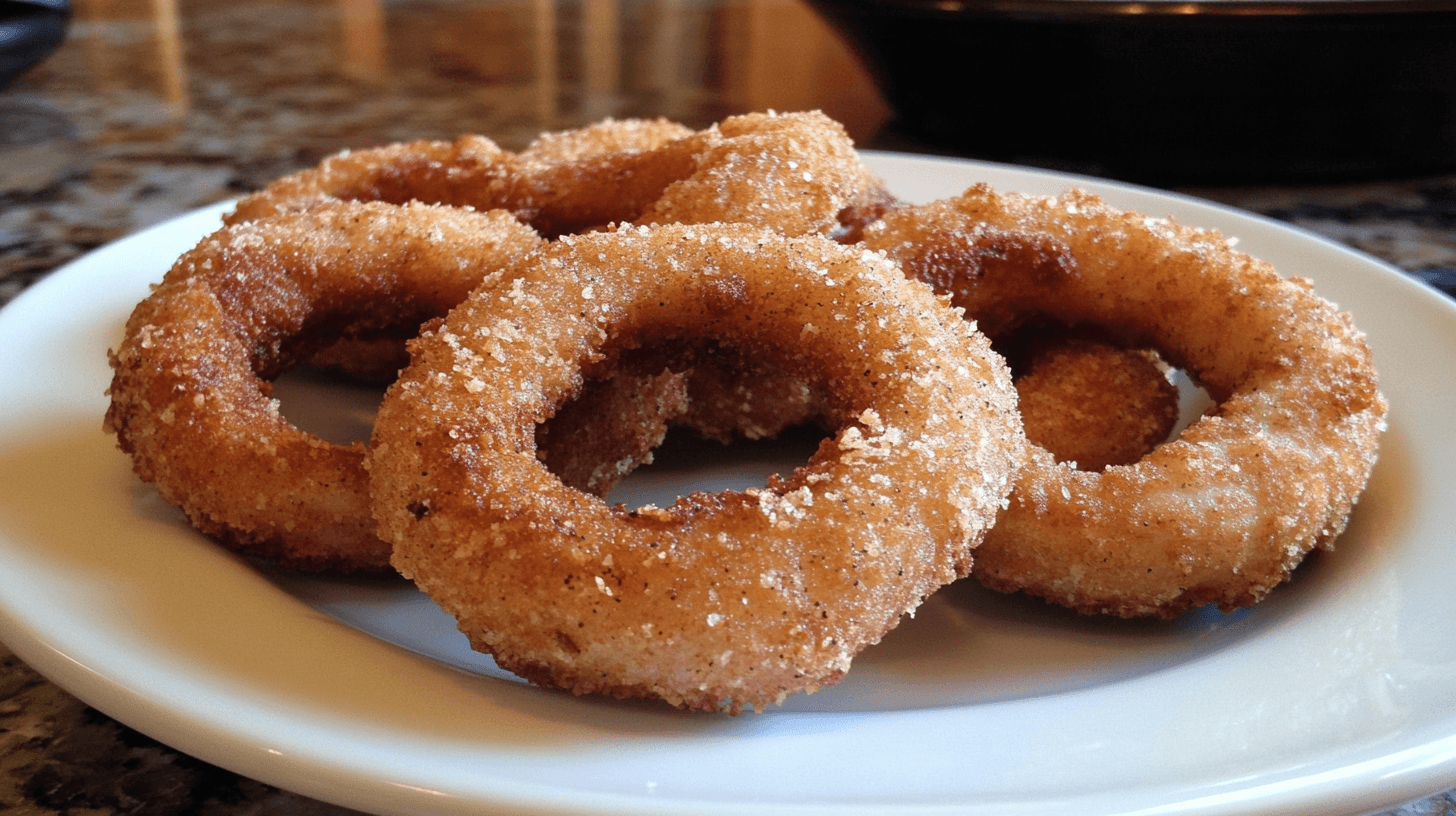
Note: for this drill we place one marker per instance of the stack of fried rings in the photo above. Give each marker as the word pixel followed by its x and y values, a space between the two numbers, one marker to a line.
pixel 723 600
pixel 1186 525
pixel 1225 512
pixel 795 173
pixel 325 256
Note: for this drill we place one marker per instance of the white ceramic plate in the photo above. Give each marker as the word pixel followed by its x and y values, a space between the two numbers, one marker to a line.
pixel 1334 696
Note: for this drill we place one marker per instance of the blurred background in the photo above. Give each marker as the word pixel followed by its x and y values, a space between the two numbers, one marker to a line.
pixel 153 107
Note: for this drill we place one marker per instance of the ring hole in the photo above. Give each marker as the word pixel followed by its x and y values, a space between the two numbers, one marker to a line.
pixel 664 423
pixel 332 406
pixel 666 417
pixel 1092 399
pixel 1193 401
pixel 686 463
pixel 335 394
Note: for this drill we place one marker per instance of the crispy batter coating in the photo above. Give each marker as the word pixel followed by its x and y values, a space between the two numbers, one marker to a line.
pixel 720 601
pixel 191 396
pixel 1225 512
pixel 795 172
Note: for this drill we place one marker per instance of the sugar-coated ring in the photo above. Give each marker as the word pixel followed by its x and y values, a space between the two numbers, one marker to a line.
pixel 1225 512
pixel 191 394
pixel 795 172
pixel 720 601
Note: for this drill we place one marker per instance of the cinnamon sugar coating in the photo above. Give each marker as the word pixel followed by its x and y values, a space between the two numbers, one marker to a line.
pixel 719 601
pixel 1225 512
pixel 191 395
pixel 795 172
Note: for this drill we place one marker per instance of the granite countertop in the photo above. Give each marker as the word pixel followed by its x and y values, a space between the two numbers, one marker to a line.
pixel 151 109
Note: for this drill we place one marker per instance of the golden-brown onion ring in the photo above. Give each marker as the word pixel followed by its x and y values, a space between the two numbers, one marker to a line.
pixel 720 601
pixel 1225 512
pixel 797 173
pixel 191 395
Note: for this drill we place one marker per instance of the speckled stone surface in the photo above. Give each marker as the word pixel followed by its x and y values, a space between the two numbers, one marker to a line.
pixel 1410 224
pixel 152 109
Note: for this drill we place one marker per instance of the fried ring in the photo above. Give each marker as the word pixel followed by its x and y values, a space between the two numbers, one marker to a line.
pixel 190 394
pixel 1225 512
pixel 797 173
pixel 723 600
